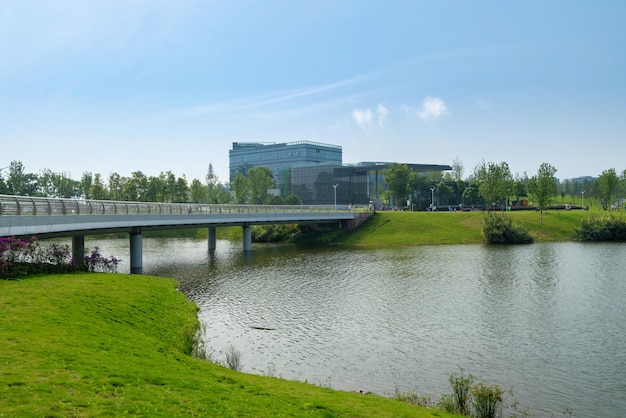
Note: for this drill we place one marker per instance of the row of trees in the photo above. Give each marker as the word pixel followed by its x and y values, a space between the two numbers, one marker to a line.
pixel 255 188
pixel 493 185
pixel 490 185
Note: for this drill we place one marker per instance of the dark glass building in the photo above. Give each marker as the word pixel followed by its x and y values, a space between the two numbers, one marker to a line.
pixel 315 172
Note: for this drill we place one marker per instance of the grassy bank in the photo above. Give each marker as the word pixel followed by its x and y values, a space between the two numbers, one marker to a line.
pixel 109 345
pixel 389 229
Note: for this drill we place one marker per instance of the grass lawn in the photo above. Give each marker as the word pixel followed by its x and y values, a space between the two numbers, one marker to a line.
pixel 89 345
pixel 391 229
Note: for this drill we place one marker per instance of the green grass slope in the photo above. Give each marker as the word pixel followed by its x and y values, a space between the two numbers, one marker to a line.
pixel 391 229
pixel 89 345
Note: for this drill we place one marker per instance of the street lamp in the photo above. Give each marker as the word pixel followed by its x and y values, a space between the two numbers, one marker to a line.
pixel 582 204
pixel 432 198
pixel 335 186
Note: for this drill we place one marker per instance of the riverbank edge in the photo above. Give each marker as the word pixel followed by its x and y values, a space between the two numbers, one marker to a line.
pixel 396 229
pixel 97 344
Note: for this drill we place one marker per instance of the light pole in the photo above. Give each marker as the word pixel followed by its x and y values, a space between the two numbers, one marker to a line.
pixel 335 187
pixel 582 199
pixel 432 198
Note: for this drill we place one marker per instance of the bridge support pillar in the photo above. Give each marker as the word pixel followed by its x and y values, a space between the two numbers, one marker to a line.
pixel 247 238
pixel 136 262
pixel 212 239
pixel 78 250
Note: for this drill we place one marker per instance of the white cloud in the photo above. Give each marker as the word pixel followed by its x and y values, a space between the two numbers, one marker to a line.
pixel 432 108
pixel 362 117
pixel 366 117
pixel 382 113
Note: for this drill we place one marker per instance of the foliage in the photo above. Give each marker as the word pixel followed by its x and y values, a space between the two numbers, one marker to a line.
pixel 461 390
pixel 397 178
pixel 487 401
pixel 601 228
pixel 260 180
pixel 499 229
pixel 495 182
pixel 274 233
pixel 543 187
pixel 607 184
pixel 19 258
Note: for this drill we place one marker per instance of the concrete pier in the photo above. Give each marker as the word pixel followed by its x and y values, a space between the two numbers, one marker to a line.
pixel 136 262
pixel 212 238
pixel 78 250
pixel 247 238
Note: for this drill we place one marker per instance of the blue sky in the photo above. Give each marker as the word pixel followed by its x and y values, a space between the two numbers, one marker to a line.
pixel 127 85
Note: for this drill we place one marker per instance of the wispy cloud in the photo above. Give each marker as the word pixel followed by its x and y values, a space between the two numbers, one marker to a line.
pixel 432 108
pixel 382 113
pixel 365 117
pixel 362 117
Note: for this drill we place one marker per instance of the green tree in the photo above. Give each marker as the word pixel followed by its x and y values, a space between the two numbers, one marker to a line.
pixel 607 184
pixel 292 200
pixel 260 180
pixel 419 185
pixel 85 184
pixel 115 186
pixel 495 183
pixel 470 193
pixel 98 191
pixel 19 182
pixel 240 188
pixel 198 192
pixel 543 188
pixel 397 178
pixel 181 192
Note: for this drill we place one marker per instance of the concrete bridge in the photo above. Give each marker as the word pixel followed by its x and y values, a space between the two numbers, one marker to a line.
pixel 25 217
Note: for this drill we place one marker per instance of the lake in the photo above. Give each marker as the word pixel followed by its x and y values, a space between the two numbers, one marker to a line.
pixel 544 319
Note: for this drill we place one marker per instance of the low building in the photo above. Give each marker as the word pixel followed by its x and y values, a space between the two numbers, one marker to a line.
pixel 315 172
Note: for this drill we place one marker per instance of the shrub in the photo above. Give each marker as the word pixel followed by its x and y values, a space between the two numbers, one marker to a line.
pixel 487 401
pixel 233 358
pixel 601 228
pixel 461 387
pixel 19 258
pixel 499 229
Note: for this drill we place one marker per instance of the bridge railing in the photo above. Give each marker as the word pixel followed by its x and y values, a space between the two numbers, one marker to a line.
pixel 33 206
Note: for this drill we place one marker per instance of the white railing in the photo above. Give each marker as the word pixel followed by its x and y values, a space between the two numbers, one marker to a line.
pixel 33 206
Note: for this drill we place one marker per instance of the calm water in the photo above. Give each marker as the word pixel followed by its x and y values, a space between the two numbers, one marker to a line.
pixel 544 319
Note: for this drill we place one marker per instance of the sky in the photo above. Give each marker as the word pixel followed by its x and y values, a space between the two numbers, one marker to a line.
pixel 117 86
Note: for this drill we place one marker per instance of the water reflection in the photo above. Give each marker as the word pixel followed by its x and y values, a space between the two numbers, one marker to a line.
pixel 545 319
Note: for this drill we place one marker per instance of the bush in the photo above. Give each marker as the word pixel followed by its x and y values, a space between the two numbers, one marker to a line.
pixel 499 229
pixel 601 228
pixel 487 401
pixel 19 258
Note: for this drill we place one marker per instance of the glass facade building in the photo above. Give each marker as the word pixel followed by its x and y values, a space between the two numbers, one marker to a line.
pixel 311 170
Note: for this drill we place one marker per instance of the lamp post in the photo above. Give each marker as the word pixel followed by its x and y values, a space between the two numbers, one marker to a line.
pixel 432 198
pixel 335 187
pixel 582 199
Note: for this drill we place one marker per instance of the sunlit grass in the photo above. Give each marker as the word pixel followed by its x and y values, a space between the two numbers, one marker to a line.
pixel 110 345
pixel 389 229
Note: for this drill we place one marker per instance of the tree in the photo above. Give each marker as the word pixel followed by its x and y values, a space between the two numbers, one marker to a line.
pixel 543 188
pixel 198 192
pixel 19 182
pixel 495 183
pixel 419 185
pixel 397 179
pixel 607 186
pixel 457 169
pixel 292 200
pixel 98 191
pixel 181 193
pixel 240 188
pixel 85 185
pixel 115 186
pixel 260 180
